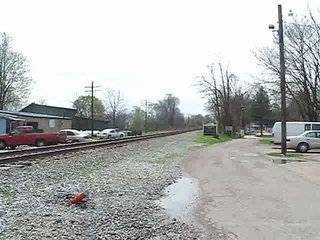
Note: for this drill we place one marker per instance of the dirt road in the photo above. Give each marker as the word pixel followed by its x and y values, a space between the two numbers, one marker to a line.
pixel 246 196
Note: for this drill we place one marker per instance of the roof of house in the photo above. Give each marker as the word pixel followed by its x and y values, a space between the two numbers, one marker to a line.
pixel 41 105
pixel 10 117
pixel 34 115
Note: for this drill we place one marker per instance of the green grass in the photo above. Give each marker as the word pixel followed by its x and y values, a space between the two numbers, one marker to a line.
pixel 211 140
pixel 278 154
pixel 152 132
pixel 265 140
pixel 87 172
pixel 6 194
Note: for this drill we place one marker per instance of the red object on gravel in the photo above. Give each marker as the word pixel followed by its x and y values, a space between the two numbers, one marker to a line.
pixel 78 198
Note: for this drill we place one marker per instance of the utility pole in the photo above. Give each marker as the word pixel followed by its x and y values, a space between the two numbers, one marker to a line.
pixel 146 116
pixel 241 116
pixel 92 90
pixel 146 104
pixel 282 85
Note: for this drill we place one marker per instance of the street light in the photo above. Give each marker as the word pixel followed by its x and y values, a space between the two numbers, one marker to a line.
pixel 282 82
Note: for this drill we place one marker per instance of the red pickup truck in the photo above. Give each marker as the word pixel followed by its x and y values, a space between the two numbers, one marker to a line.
pixel 26 135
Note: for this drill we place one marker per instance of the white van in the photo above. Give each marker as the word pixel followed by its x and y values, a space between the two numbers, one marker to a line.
pixel 293 129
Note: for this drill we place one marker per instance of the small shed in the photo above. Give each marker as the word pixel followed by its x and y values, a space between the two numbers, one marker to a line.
pixel 48 123
pixel 9 122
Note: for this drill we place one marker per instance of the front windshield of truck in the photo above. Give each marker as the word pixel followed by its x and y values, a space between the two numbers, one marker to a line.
pixel 16 131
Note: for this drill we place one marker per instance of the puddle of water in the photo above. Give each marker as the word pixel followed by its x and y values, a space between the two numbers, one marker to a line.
pixel 285 161
pixel 180 199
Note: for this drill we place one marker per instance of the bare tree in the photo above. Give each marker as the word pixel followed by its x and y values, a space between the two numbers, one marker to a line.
pixel 115 106
pixel 14 79
pixel 168 113
pixel 218 87
pixel 302 54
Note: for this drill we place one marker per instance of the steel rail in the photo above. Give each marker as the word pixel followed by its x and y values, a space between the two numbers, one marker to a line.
pixel 41 152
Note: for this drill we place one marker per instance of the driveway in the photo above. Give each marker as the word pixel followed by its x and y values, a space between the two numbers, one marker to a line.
pixel 244 195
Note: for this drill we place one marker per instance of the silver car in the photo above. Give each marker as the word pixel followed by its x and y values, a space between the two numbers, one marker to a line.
pixel 304 142
pixel 75 136
pixel 110 133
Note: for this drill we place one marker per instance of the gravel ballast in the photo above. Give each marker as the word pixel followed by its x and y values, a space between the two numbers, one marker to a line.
pixel 123 183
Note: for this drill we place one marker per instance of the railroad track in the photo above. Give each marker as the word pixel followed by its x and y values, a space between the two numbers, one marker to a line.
pixel 41 152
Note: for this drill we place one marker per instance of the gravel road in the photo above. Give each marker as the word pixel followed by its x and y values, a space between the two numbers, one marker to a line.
pixel 247 196
pixel 124 185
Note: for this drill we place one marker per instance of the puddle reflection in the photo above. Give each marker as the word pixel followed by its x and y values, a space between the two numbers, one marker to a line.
pixel 180 199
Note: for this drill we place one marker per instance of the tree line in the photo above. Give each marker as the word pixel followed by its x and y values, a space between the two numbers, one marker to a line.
pixel 15 88
pixel 161 115
pixel 235 104
pixel 230 103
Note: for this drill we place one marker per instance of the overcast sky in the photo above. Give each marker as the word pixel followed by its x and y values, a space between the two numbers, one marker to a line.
pixel 144 48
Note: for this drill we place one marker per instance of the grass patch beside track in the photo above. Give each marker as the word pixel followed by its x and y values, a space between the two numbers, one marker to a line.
pixel 278 154
pixel 7 192
pixel 211 140
pixel 152 132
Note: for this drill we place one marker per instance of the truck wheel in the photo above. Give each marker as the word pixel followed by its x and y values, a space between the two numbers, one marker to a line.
pixel 13 147
pixel 109 136
pixel 2 144
pixel 40 143
pixel 121 135
pixel 303 147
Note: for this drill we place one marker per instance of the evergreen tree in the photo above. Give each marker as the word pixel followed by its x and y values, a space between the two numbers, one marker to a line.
pixel 261 108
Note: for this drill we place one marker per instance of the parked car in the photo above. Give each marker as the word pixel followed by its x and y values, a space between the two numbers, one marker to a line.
pixel 305 141
pixel 26 135
pixel 110 133
pixel 133 133
pixel 74 136
pixel 293 129
pixel 88 132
